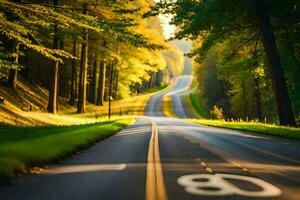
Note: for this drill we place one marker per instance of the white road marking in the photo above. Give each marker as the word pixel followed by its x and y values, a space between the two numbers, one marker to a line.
pixel 124 134
pixel 222 187
pixel 84 168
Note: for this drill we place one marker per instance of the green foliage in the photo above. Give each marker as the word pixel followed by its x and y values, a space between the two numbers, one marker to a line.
pixel 18 29
pixel 229 57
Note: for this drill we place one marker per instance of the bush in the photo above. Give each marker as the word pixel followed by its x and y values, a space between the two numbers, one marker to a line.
pixel 217 113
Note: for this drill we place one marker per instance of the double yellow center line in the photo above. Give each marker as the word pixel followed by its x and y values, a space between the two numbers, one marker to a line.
pixel 155 186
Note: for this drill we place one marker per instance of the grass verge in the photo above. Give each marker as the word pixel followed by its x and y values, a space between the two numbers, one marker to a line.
pixel 24 147
pixel 130 106
pixel 269 129
pixel 193 101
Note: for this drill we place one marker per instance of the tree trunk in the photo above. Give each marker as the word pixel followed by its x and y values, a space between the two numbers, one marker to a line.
pixel 94 83
pixel 149 83
pixel 52 102
pixel 154 79
pixel 284 107
pixel 116 83
pixel 13 73
pixel 257 97
pixel 81 107
pixel 76 84
pixel 158 78
pixel 245 110
pixel 63 74
pixel 101 84
pixel 111 72
pixel 106 88
pixel 12 79
pixel 73 74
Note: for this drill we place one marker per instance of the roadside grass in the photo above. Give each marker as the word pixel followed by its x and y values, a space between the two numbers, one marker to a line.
pixel 193 101
pixel 130 106
pixel 25 147
pixel 269 129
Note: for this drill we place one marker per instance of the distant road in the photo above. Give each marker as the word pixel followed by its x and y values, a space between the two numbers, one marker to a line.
pixel 181 110
pixel 160 158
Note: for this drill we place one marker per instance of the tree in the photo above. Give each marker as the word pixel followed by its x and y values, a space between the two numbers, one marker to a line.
pixel 81 106
pixel 53 86
pixel 95 79
pixel 13 73
pixel 73 74
pixel 101 86
pixel 281 94
pixel 215 21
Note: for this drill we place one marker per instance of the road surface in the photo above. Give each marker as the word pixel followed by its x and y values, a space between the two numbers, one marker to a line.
pixel 177 93
pixel 160 158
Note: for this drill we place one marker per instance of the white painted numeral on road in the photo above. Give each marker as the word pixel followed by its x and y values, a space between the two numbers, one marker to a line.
pixel 217 185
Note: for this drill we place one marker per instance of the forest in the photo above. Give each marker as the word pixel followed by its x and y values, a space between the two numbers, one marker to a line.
pixel 245 56
pixel 84 51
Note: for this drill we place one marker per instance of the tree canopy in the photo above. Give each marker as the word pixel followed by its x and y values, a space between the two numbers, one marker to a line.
pixel 249 41
pixel 79 49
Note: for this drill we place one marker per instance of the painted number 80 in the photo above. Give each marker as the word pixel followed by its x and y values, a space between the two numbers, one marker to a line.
pixel 217 185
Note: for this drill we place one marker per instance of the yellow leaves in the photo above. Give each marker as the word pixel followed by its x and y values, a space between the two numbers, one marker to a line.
pixel 259 71
pixel 122 35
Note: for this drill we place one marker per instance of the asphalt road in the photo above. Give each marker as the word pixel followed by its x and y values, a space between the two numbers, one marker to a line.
pixel 177 93
pixel 160 158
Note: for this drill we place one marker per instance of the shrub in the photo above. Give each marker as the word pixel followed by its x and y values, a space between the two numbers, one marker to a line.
pixel 217 113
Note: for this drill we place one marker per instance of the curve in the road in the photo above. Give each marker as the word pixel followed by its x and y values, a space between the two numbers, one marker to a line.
pixel 177 92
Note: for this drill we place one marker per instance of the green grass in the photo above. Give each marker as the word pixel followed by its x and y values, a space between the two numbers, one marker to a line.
pixel 193 101
pixel 269 129
pixel 196 104
pixel 24 147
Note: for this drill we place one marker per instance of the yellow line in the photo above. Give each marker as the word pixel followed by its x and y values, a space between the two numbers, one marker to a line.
pixel 204 165
pixel 155 186
pixel 244 169
pixel 168 106
pixel 239 166
pixel 209 170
